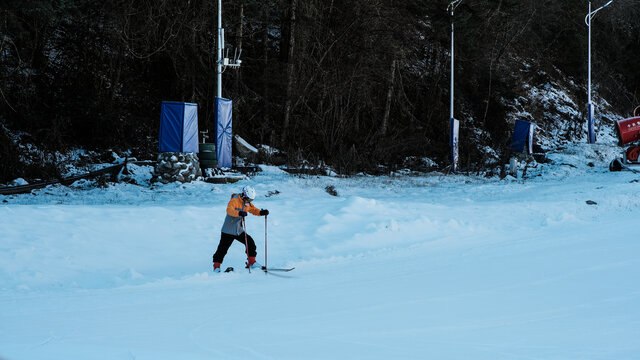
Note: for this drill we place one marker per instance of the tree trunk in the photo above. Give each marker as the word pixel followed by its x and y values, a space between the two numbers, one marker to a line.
pixel 387 108
pixel 290 69
pixel 239 34
pixel 265 76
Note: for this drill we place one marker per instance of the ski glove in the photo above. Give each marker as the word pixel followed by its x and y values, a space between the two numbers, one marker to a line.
pixel 264 212
pixel 242 213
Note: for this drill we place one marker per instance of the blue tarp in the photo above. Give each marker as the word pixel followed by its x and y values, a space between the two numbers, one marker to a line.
pixel 522 139
pixel 224 136
pixel 178 127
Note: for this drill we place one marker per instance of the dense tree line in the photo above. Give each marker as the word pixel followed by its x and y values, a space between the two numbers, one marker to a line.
pixel 354 83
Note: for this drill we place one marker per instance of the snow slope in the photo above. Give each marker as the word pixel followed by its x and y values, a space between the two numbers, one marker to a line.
pixel 428 267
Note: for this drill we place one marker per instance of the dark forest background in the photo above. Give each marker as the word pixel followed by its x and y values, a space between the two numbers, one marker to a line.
pixel 352 83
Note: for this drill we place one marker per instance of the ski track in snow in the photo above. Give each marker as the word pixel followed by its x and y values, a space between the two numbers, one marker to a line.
pixel 446 267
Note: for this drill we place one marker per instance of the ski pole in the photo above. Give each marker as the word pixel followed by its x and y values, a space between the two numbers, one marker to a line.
pixel 265 243
pixel 246 244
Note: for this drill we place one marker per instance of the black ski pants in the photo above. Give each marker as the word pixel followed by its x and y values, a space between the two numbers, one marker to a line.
pixel 225 242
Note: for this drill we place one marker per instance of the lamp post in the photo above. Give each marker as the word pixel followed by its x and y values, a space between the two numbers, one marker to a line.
pixel 220 49
pixel 454 127
pixel 591 131
pixel 223 107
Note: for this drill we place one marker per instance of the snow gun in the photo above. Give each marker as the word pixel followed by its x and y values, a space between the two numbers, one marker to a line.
pixel 628 132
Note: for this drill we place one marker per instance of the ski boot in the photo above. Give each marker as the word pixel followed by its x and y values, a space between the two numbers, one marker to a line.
pixel 253 264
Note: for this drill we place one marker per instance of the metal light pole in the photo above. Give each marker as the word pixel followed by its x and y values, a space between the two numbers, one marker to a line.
pixel 220 49
pixel 223 112
pixel 591 128
pixel 454 123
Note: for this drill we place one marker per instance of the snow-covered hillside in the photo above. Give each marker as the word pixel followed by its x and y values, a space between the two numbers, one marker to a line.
pixel 407 267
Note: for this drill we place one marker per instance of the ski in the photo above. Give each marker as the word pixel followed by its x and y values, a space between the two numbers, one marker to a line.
pixel 229 269
pixel 265 269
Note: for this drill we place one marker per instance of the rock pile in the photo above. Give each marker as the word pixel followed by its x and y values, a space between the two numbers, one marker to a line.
pixel 173 166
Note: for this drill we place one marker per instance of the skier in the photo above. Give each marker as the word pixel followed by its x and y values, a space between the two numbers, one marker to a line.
pixel 232 229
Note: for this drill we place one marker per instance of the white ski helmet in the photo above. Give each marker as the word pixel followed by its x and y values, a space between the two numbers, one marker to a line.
pixel 248 193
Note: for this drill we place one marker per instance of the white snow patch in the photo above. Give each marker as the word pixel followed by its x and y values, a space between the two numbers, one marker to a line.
pixel 433 266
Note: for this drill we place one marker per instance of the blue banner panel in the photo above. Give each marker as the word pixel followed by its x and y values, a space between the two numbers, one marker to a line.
pixel 171 126
pixel 454 140
pixel 190 129
pixel 178 127
pixel 522 138
pixel 224 136
pixel 591 125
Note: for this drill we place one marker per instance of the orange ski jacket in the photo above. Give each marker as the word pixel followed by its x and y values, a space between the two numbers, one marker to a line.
pixel 233 222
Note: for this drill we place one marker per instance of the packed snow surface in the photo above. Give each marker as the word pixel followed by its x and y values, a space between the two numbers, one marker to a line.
pixel 408 267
